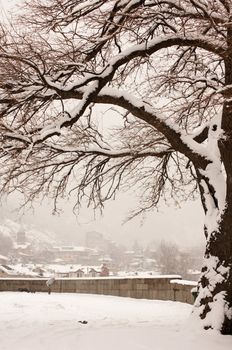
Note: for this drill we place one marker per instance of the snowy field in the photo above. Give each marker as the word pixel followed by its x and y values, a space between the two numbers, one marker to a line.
pixel 51 322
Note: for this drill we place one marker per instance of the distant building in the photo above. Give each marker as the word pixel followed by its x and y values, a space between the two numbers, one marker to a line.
pixel 78 273
pixel 104 271
pixel 93 272
pixel 62 274
pixel 67 271
pixel 74 254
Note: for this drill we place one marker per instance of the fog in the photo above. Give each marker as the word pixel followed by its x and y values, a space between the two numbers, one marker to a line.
pixel 183 226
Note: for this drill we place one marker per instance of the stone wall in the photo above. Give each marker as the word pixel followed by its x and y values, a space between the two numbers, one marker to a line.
pixel 155 287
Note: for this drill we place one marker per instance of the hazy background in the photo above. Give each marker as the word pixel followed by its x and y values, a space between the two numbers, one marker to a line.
pixel 182 226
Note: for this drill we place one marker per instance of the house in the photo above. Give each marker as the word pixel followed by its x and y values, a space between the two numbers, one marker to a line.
pixel 92 272
pixel 97 271
pixel 73 254
pixel 78 273
pixel 104 271
pixel 62 274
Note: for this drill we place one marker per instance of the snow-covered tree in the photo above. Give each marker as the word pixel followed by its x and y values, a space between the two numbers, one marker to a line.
pixel 165 66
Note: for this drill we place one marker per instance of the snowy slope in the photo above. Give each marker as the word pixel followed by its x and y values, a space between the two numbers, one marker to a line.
pixel 33 235
pixel 46 322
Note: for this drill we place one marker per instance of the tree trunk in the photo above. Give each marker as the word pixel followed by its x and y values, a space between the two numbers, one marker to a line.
pixel 214 301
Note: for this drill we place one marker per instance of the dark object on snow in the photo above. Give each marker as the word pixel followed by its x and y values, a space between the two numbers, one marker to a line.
pixel 83 322
pixel 23 290
pixel 26 290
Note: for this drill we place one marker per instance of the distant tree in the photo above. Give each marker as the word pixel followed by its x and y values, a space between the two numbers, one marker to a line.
pixel 166 66
pixel 167 258
pixel 170 259
pixel 196 254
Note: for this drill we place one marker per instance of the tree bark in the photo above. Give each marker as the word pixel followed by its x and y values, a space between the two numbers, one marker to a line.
pixel 214 301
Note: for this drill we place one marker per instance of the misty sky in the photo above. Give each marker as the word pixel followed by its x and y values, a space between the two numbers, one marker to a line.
pixel 183 226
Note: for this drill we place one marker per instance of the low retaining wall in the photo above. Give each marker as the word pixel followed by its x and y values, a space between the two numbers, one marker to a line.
pixel 155 287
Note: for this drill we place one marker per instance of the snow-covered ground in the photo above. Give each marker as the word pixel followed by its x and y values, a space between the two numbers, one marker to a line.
pixel 51 322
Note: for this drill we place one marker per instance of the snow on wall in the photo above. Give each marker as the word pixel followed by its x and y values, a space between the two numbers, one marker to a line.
pixel 184 282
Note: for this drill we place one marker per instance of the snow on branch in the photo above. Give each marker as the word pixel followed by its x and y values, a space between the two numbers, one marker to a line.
pixel 91 86
pixel 192 9
pixel 179 140
pixel 112 153
pixel 95 90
